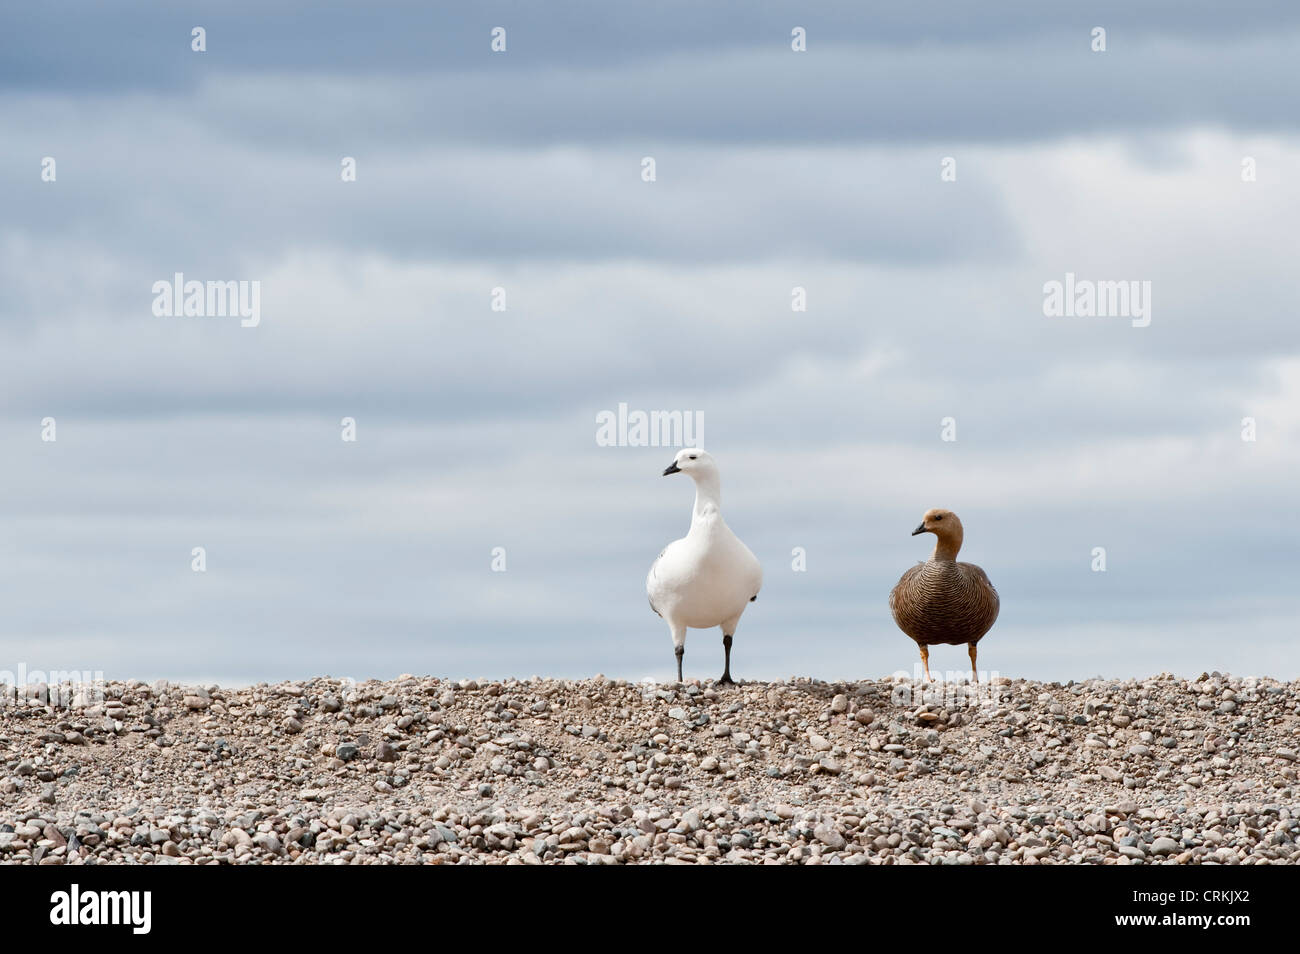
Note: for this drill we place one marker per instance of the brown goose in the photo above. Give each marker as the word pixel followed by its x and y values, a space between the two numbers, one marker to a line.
pixel 941 600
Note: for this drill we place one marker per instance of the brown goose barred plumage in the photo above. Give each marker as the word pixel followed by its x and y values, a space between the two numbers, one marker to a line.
pixel 941 600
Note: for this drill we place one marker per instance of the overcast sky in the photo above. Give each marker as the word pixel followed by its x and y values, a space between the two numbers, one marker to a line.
pixel 476 428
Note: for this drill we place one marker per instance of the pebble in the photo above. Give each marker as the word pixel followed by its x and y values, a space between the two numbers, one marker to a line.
pixel 603 771
pixel 1164 846
pixel 829 837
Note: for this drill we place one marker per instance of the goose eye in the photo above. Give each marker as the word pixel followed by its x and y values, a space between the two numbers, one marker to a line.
pixel 692 457
pixel 938 518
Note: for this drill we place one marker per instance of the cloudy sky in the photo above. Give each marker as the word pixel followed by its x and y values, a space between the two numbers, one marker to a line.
pixel 476 428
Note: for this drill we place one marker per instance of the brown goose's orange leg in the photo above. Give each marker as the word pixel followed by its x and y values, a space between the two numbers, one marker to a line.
pixel 925 661
pixel 974 674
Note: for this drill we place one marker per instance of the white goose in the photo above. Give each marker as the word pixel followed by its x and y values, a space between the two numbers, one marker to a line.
pixel 708 577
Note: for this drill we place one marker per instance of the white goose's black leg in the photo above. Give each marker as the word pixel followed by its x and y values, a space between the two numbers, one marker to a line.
pixel 680 651
pixel 726 679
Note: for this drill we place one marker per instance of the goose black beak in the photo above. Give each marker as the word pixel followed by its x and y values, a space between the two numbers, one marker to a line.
pixel 920 529
pixel 672 469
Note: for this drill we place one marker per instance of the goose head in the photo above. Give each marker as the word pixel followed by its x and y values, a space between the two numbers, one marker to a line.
pixel 692 461
pixel 944 525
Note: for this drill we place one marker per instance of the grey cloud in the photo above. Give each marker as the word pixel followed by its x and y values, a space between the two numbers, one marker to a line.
pixel 1002 89
pixel 477 427
pixel 145 44
pixel 227 206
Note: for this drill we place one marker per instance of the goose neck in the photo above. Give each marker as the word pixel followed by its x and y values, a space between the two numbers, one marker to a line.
pixel 708 498
pixel 946 549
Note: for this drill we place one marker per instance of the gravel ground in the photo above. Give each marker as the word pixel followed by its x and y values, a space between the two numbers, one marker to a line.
pixel 420 770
